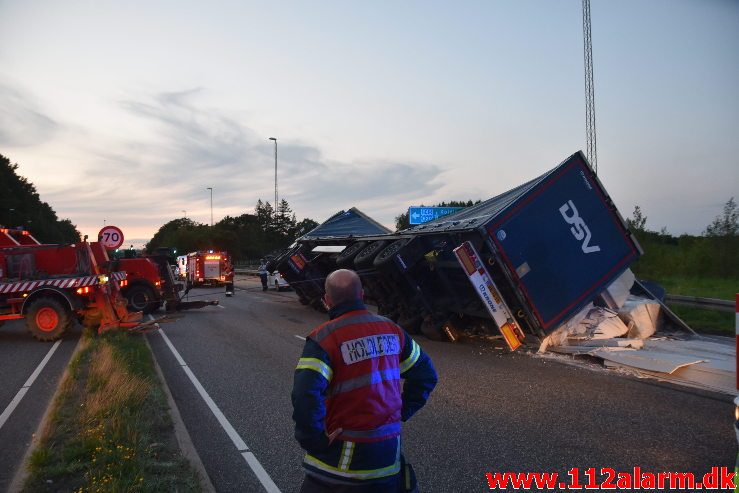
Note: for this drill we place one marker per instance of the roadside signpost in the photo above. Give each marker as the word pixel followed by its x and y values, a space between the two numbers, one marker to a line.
pixel 420 215
pixel 110 237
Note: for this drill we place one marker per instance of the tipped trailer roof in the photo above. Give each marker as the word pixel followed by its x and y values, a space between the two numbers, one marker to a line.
pixel 488 210
pixel 346 224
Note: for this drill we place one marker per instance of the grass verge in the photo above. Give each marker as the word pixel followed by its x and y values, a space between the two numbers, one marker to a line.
pixel 702 320
pixel 110 430
pixel 706 321
pixel 704 287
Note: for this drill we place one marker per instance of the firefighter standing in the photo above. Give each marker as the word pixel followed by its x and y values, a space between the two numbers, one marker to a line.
pixel 348 400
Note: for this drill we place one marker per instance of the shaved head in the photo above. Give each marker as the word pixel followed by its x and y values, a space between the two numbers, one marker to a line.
pixel 343 285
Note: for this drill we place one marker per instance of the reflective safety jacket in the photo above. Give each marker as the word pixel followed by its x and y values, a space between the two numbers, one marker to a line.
pixel 349 378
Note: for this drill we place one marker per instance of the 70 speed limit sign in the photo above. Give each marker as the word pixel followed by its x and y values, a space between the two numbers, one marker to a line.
pixel 110 237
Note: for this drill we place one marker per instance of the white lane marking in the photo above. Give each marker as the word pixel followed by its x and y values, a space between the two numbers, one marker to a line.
pixel 220 306
pixel 241 446
pixel 22 392
pixel 300 337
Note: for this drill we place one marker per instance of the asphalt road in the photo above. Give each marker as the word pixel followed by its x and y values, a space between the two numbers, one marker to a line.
pixel 490 412
pixel 20 356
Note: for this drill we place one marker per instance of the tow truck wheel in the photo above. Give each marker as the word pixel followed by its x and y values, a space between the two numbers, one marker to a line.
pixel 347 255
pixel 141 299
pixel 47 319
pixel 365 257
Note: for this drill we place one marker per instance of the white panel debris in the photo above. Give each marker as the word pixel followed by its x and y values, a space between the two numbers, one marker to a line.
pixel 642 316
pixel 623 337
pixel 646 360
pixel 616 294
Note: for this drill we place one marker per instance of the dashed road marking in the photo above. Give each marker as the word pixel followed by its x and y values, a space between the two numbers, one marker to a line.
pixel 300 337
pixel 22 392
pixel 238 442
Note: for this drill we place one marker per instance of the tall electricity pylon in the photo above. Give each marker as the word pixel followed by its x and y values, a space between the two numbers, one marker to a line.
pixel 590 150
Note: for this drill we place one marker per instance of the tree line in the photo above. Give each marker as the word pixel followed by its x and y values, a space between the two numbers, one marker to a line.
pixel 20 205
pixel 715 253
pixel 248 236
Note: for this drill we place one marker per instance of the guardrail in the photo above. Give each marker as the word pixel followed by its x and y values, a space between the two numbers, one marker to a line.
pixel 710 303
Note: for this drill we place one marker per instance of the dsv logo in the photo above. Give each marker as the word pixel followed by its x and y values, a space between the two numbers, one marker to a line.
pixel 579 229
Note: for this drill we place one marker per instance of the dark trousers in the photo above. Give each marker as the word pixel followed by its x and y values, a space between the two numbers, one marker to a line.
pixel 311 484
pixel 263 277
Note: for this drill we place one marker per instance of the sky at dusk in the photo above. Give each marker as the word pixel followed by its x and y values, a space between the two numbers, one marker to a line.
pixel 125 112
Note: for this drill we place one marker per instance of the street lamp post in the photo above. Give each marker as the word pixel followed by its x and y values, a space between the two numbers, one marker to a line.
pixel 10 217
pixel 211 205
pixel 185 213
pixel 273 138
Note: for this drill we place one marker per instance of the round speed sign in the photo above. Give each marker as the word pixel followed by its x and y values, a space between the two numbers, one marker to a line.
pixel 110 237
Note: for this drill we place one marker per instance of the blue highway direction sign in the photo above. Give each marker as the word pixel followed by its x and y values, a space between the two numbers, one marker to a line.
pixel 420 215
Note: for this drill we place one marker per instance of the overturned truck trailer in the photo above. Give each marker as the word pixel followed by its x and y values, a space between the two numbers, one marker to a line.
pixel 525 260
pixel 306 264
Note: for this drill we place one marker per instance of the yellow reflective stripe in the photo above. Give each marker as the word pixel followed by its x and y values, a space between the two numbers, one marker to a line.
pixel 347 452
pixel 406 364
pixel 315 364
pixel 363 474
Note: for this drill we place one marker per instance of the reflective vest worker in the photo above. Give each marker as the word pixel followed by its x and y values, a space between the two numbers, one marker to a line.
pixel 263 273
pixel 348 399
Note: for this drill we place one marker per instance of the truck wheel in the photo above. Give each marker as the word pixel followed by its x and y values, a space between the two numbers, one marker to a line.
pixel 365 257
pixel 347 255
pixel 140 299
pixel 47 319
pixel 389 252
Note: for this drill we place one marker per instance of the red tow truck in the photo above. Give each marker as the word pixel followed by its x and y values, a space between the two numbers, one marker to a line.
pixel 210 267
pixel 52 285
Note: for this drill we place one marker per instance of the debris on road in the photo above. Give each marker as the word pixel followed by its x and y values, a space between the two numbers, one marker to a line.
pixel 637 337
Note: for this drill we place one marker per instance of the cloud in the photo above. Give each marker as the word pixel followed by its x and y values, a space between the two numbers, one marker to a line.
pixel 21 122
pixel 151 178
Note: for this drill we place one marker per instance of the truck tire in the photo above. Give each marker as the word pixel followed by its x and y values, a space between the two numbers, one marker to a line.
pixel 389 252
pixel 141 299
pixel 47 319
pixel 365 257
pixel 347 255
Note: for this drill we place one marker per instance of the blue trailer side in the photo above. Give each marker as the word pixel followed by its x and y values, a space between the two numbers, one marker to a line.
pixel 563 242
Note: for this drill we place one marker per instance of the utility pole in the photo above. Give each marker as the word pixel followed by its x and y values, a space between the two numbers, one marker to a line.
pixel 590 149
pixel 273 138
pixel 211 205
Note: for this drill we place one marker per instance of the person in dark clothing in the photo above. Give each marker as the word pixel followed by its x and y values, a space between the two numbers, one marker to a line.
pixel 263 273
pixel 348 398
